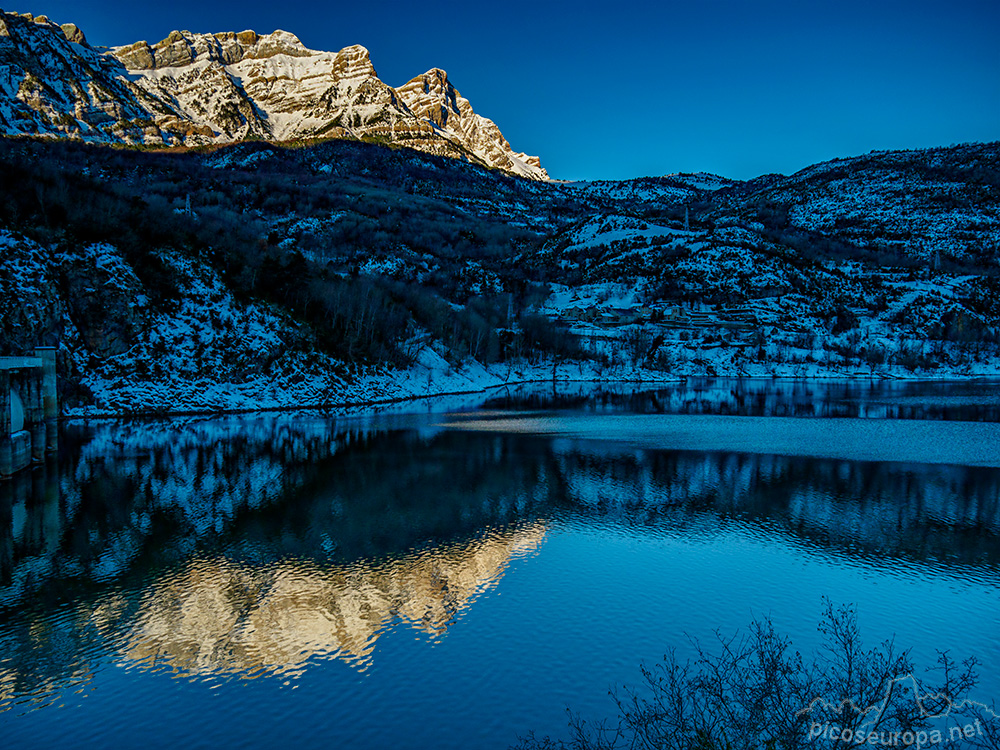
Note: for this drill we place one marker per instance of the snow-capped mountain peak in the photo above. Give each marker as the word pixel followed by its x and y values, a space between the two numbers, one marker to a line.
pixel 433 97
pixel 194 89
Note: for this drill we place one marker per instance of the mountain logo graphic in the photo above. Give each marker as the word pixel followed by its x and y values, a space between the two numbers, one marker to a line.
pixel 938 720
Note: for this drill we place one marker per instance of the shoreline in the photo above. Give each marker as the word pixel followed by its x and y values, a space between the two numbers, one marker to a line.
pixel 371 405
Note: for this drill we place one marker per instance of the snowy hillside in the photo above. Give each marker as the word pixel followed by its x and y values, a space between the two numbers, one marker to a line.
pixel 883 265
pixel 256 276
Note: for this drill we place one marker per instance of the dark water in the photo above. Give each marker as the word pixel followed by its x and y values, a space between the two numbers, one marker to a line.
pixel 446 581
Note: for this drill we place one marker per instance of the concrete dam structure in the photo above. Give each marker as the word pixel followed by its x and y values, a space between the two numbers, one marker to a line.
pixel 28 410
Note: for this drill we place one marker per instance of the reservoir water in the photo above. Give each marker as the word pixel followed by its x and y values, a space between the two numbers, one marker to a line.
pixel 458 574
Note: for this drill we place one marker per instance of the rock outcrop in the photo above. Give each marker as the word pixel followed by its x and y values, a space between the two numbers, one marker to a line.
pixel 432 97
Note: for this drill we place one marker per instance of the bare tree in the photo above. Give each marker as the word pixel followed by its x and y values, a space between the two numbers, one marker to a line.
pixel 752 691
pixel 637 342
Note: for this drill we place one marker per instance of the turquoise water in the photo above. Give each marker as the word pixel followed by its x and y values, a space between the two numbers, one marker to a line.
pixel 458 580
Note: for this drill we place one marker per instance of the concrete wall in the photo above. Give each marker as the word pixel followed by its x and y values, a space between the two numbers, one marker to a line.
pixel 29 410
pixel 20 450
pixel 50 399
pixel 6 462
pixel 16 412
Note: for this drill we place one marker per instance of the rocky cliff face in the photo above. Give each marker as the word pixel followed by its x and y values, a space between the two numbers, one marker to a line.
pixel 195 89
pixel 433 98
pixel 53 83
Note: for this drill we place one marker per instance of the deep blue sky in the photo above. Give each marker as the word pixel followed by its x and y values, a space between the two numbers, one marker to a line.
pixel 620 89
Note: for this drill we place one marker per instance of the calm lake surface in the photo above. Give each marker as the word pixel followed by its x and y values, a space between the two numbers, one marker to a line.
pixel 458 577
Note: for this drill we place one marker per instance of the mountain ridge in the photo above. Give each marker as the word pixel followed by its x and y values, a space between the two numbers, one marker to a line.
pixel 259 276
pixel 196 89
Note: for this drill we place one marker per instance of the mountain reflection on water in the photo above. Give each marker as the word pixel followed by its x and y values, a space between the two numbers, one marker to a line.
pixel 240 546
pixel 249 546
pixel 216 616
pixel 970 400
